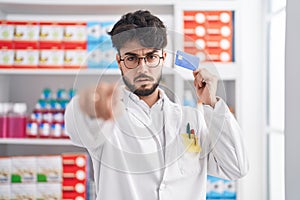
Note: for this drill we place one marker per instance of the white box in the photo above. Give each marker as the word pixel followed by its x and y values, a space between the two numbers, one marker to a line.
pixel 49 169
pixel 23 170
pixel 5 170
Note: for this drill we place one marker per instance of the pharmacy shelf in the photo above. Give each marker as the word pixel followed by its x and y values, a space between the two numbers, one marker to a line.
pixel 166 70
pixel 59 71
pixel 34 141
pixel 78 7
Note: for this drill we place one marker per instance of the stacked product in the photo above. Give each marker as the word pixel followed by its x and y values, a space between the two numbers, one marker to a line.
pixel 47 118
pixel 209 35
pixel 13 120
pixel 220 189
pixel 37 177
pixel 74 185
pixel 100 51
pixel 55 45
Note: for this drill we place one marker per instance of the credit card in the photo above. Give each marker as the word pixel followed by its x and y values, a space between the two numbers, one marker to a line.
pixel 186 60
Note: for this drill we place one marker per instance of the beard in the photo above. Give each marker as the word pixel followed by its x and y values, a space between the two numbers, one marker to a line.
pixel 141 91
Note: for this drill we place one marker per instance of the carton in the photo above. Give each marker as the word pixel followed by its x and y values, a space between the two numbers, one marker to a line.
pixel 6 55
pixel 74 35
pixel 46 191
pixel 93 32
pixel 49 169
pixel 101 55
pixel 23 169
pixel 26 58
pixel 106 27
pixel 75 173
pixel 51 34
pixel 51 58
pixel 5 192
pixel 75 58
pixel 26 34
pixel 23 191
pixel 5 170
pixel 6 31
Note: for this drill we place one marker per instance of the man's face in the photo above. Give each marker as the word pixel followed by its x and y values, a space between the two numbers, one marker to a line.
pixel 141 80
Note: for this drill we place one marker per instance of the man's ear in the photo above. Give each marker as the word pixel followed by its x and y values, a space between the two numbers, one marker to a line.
pixel 118 59
pixel 164 55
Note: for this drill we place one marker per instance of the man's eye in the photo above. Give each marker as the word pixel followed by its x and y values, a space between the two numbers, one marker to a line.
pixel 131 58
pixel 151 57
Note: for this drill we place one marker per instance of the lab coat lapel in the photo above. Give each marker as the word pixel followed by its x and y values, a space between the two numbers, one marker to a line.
pixel 173 119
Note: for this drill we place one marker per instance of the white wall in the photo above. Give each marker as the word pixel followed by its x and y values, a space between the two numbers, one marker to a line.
pixel 292 99
pixel 251 98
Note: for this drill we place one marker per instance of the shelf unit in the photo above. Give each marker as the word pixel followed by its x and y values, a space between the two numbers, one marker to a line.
pixel 35 141
pixel 25 85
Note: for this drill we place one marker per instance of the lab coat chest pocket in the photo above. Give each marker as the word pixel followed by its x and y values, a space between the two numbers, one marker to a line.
pixel 188 158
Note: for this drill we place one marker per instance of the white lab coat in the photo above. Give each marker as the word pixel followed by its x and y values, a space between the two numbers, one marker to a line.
pixel 130 163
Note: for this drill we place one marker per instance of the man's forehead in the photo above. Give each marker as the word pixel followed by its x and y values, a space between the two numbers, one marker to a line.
pixel 136 48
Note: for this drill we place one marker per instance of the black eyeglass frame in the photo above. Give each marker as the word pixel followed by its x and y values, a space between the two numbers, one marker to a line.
pixel 138 63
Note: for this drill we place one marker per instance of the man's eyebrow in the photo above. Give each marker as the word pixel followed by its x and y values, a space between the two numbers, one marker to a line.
pixel 134 54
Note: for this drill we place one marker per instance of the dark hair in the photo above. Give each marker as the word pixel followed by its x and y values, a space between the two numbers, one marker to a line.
pixel 142 26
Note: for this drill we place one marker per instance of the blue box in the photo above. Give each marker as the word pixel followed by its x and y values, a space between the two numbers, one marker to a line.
pixel 93 32
pixel 101 55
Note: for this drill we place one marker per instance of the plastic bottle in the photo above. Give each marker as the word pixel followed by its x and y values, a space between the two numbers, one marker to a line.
pixel 17 121
pixel 3 121
pixel 32 126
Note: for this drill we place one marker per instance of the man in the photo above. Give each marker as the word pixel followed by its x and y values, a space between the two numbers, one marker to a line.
pixel 143 146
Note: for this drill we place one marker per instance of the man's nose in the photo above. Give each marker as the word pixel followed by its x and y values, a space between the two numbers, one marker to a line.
pixel 142 67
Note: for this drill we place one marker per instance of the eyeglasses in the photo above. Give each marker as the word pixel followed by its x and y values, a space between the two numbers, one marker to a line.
pixel 132 61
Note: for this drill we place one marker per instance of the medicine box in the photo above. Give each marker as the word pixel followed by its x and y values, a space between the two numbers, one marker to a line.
pixel 26 58
pixel 46 191
pixel 93 32
pixel 51 58
pixel 6 31
pixel 23 191
pixel 101 55
pixel 23 169
pixel 6 55
pixel 5 191
pixel 49 169
pixel 75 58
pixel 51 33
pixel 26 34
pixel 5 170
pixel 74 35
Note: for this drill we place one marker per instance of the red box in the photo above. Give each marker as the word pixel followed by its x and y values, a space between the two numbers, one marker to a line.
pixel 26 57
pixel 75 58
pixel 6 31
pixel 51 35
pixel 203 17
pixel 26 34
pixel 74 35
pixel 51 58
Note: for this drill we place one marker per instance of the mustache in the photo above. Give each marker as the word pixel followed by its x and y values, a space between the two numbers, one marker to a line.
pixel 144 76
